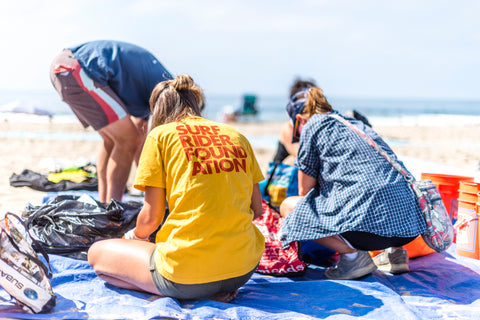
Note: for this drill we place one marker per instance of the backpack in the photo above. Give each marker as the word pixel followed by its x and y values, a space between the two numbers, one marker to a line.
pixel 282 182
pixel 22 274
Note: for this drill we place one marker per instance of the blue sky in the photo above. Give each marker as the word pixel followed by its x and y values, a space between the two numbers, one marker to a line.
pixel 373 48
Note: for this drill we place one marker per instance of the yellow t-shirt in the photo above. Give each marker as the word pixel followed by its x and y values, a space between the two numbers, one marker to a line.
pixel 208 170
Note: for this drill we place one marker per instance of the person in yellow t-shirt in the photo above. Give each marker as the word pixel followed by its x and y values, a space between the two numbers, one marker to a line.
pixel 207 173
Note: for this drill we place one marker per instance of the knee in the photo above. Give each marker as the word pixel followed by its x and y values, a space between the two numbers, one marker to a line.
pixel 108 143
pixel 128 144
pixel 94 254
pixel 288 204
pixel 122 136
pixel 98 258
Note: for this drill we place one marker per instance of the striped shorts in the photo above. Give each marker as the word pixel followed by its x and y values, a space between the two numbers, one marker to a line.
pixel 94 105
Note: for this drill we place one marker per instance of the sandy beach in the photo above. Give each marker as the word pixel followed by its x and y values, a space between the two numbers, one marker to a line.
pixel 454 146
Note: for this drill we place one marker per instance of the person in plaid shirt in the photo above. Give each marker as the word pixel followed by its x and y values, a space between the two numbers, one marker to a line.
pixel 350 198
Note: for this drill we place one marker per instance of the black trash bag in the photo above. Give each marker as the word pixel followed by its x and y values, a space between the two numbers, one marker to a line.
pixel 68 227
pixel 39 182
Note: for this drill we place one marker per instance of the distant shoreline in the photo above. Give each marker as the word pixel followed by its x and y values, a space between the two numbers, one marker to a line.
pixel 272 107
pixel 424 119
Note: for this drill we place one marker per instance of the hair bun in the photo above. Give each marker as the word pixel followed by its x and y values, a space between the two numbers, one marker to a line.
pixel 183 82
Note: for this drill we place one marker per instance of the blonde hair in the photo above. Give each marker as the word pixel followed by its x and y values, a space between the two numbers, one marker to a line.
pixel 316 102
pixel 174 100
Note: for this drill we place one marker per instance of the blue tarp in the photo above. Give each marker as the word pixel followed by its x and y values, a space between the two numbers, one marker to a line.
pixel 439 286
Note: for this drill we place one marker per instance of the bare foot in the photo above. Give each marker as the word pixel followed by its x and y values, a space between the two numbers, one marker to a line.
pixel 224 296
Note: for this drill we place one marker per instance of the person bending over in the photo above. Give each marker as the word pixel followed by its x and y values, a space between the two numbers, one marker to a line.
pixel 206 171
pixel 351 199
pixel 107 85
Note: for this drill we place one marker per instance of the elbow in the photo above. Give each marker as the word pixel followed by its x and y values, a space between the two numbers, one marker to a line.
pixel 257 213
pixel 302 191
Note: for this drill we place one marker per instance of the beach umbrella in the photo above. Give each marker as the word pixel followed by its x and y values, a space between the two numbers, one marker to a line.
pixel 24 107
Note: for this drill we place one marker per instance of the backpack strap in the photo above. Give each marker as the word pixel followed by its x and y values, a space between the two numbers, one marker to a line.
pixel 269 181
pixel 270 177
pixel 395 164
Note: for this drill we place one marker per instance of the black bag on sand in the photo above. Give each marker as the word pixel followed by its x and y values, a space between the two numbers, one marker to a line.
pixel 68 225
pixel 40 182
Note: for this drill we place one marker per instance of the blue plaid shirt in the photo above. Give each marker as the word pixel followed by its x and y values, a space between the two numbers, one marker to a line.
pixel 357 189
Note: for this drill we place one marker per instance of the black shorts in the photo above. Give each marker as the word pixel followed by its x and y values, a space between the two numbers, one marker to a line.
pixel 368 241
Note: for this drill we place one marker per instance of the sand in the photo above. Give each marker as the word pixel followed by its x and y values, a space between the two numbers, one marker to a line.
pixel 456 146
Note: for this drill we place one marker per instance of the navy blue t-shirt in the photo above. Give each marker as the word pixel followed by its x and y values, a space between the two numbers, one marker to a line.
pixel 129 70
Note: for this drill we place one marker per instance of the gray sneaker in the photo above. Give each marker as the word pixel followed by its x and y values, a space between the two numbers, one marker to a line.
pixel 396 262
pixel 361 266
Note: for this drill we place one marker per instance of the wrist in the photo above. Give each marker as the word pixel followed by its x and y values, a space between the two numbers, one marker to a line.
pixel 131 235
pixel 136 237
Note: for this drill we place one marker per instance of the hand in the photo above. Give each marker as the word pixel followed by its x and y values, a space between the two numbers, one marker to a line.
pixel 130 235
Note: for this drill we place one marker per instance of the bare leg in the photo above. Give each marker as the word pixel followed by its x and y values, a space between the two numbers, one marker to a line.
pixel 336 243
pixel 123 263
pixel 102 163
pixel 287 205
pixel 126 141
pixel 142 129
pixel 119 283
pixel 126 264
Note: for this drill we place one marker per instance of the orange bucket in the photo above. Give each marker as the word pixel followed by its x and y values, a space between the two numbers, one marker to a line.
pixel 468 191
pixel 477 210
pixel 418 248
pixel 467 229
pixel 448 186
pixel 446 179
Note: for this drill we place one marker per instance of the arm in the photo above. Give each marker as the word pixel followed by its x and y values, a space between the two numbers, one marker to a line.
pixel 256 204
pixel 152 213
pixel 305 183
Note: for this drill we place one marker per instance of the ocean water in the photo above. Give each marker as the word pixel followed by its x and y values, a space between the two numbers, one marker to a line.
pixel 379 111
pixel 272 108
